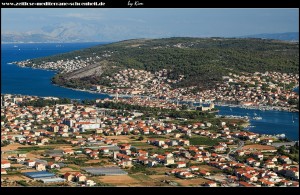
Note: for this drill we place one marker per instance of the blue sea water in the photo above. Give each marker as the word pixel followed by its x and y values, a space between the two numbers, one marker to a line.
pixel 28 81
pixel 273 122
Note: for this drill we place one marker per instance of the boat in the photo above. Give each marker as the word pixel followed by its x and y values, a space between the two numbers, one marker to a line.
pixel 293 119
pixel 257 118
pixel 280 135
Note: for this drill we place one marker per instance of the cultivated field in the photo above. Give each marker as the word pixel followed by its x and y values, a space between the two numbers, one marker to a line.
pixel 118 180
pixel 259 147
pixel 132 180
pixel 120 138
pixel 13 147
pixel 67 169
pixel 191 182
pixel 15 177
pixel 209 168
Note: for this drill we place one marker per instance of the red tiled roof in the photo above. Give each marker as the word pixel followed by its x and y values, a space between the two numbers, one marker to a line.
pixel 246 184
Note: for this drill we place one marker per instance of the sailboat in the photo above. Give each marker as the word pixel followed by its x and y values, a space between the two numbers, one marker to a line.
pixel 293 118
pixel 257 117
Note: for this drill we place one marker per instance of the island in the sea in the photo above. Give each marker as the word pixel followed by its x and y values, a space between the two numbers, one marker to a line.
pixel 247 72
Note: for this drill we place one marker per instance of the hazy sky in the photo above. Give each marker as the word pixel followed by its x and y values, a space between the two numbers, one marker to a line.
pixel 130 23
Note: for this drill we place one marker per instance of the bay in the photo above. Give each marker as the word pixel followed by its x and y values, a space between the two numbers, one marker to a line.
pixel 28 81
pixel 272 122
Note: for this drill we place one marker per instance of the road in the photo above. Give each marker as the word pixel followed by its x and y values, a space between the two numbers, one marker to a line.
pixel 240 145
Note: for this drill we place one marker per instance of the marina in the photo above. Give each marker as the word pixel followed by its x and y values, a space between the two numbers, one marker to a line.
pixel 38 82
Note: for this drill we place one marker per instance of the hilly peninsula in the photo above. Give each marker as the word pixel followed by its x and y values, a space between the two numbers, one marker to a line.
pixel 181 62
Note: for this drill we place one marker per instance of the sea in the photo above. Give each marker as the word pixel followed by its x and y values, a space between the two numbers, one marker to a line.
pixel 28 81
pixel 272 122
pixel 37 82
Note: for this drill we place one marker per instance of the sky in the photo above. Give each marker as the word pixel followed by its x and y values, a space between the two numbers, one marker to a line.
pixel 121 24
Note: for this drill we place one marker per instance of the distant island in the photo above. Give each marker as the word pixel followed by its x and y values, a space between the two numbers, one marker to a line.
pixel 69 34
pixel 288 36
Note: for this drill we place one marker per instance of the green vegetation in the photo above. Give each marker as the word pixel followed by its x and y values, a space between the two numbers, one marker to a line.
pixel 29 149
pixel 58 141
pixel 159 150
pixel 3 118
pixel 154 112
pixel 294 102
pixel 241 159
pixel 55 171
pixel 202 60
pixel 76 161
pixel 293 154
pixel 156 136
pixel 22 183
pixel 199 140
pixel 13 171
pixel 137 144
pixel 103 184
pixel 42 103
pixel 138 168
pixel 4 143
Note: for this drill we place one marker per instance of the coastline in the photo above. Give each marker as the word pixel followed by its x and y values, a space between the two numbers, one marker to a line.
pixel 258 107
pixel 83 90
pixel 14 63
pixel 263 108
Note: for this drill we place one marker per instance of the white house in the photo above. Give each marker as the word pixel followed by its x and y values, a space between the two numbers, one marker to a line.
pixel 5 164
pixel 40 167
pixel 181 164
pixel 30 163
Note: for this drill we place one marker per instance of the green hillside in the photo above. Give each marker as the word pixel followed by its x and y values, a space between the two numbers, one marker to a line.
pixel 201 60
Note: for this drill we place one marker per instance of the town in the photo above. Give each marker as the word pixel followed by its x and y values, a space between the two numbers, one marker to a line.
pixel 68 143
pixel 268 90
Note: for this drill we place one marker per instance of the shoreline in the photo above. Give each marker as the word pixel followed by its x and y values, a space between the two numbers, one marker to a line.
pixel 246 125
pixel 260 107
pixel 14 63
pixel 84 90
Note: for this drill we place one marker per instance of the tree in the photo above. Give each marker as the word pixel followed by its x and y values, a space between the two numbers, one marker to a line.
pixel 184 107
pixel 141 138
pixel 133 149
